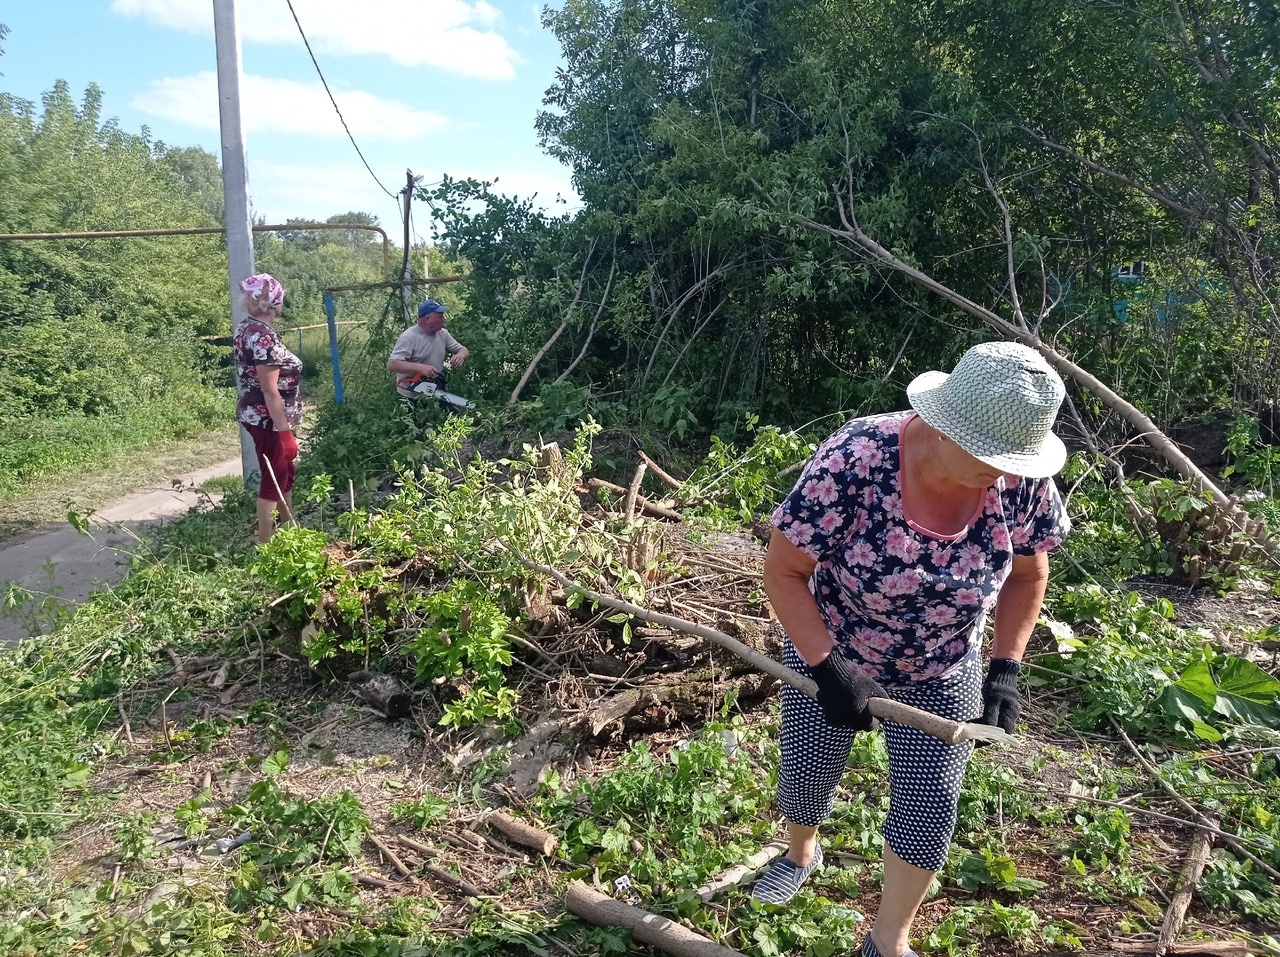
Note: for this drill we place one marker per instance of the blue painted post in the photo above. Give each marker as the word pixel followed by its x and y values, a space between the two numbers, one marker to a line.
pixel 331 314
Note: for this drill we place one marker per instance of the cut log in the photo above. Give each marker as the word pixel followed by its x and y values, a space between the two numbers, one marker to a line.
pixel 611 710
pixel 1197 857
pixel 735 874
pixel 660 932
pixel 382 692
pixel 526 835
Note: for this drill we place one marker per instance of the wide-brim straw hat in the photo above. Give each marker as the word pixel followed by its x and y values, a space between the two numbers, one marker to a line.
pixel 998 404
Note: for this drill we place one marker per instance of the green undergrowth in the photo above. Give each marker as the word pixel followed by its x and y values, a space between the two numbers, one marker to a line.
pixel 31 448
pixel 432 582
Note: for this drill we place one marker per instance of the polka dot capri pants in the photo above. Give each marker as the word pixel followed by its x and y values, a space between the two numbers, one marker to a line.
pixel 925 773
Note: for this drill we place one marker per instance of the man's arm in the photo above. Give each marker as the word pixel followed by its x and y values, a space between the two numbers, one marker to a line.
pixel 405 367
pixel 459 357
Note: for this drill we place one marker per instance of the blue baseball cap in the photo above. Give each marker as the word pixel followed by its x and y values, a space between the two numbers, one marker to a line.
pixel 430 305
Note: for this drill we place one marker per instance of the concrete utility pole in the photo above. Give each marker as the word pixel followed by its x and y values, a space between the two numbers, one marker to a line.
pixel 235 189
pixel 404 266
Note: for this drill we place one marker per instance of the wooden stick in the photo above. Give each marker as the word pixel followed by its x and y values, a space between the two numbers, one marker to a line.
pixel 455 882
pixel 660 932
pixel 124 720
pixel 671 480
pixel 1186 805
pixel 735 874
pixel 398 864
pixel 633 491
pixel 526 835
pixel 364 880
pixel 1197 857
pixel 417 846
pixel 652 509
pixel 284 506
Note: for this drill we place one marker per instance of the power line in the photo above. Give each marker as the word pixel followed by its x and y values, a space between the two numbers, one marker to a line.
pixel 307 44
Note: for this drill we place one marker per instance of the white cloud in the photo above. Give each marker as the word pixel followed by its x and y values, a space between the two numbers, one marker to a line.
pixel 281 191
pixel 452 35
pixel 270 105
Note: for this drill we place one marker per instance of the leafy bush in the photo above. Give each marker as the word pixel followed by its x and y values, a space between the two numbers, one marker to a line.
pixel 734 485
pixel 464 638
pixel 292 839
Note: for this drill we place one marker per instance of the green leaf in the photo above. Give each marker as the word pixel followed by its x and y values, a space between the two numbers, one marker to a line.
pixel 1247 694
pixel 1245 679
pixel 1198 680
pixel 274 764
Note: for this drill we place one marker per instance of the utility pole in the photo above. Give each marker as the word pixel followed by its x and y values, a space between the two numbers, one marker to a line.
pixel 235 190
pixel 404 267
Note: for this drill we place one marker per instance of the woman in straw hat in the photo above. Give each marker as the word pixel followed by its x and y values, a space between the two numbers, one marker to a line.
pixel 902 533
pixel 268 406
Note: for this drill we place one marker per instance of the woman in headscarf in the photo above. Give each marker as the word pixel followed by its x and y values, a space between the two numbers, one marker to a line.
pixel 269 406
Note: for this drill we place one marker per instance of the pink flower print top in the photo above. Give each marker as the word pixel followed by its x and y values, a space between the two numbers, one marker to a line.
pixel 902 603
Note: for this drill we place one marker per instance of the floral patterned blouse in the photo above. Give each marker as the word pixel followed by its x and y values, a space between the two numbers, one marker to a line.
pixel 255 344
pixel 903 603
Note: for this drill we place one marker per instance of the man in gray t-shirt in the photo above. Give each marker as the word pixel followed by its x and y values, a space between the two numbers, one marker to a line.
pixel 422 350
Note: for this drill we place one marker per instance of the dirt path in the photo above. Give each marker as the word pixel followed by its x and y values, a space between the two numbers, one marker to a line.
pixel 81 563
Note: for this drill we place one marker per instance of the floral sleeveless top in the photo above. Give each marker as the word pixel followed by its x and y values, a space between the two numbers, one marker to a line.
pixel 257 343
pixel 902 603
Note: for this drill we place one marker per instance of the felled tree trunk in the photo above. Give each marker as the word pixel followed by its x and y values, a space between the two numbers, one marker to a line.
pixel 660 932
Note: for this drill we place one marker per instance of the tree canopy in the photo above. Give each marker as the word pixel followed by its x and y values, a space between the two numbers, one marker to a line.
pixel 1044 149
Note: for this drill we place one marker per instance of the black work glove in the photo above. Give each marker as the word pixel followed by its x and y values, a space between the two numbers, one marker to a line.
pixel 843 694
pixel 1001 702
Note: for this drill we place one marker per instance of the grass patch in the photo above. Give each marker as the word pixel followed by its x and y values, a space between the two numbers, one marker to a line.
pixel 41 501
pixel 222 484
pixel 34 448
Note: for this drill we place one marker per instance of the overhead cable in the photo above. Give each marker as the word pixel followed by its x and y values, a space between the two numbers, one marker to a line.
pixel 325 82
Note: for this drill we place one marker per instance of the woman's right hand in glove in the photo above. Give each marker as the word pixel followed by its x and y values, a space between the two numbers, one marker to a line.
pixel 288 444
pixel 844 694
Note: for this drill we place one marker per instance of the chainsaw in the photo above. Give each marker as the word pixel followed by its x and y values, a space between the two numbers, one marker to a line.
pixel 446 398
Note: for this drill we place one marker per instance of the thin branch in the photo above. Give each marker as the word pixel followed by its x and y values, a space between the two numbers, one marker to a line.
pixel 1232 840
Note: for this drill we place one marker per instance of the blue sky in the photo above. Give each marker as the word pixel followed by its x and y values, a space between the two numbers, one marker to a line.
pixel 436 86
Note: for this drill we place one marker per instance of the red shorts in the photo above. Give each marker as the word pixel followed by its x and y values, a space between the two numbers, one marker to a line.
pixel 266 442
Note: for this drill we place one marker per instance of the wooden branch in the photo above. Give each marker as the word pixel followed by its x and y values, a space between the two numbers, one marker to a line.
pixel 1147 429
pixel 1231 840
pixel 591 331
pixel 526 835
pixel 737 872
pixel 652 509
pixel 657 470
pixel 364 880
pixel 546 346
pixel 124 721
pixel 417 846
pixel 633 490
pixel 953 732
pixel 660 932
pixel 455 882
pixel 1176 913
pixel 390 855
